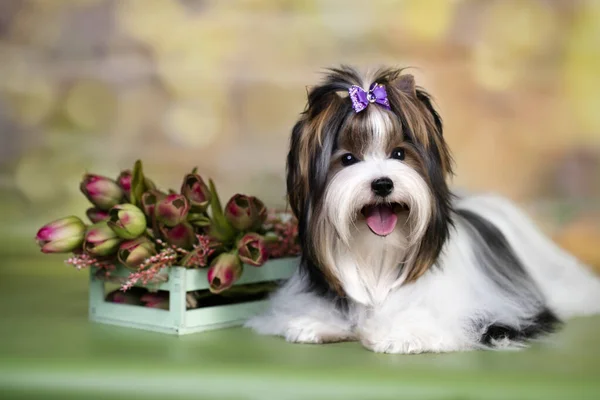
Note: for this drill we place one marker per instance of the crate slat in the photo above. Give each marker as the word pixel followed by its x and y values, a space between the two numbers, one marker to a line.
pixel 178 320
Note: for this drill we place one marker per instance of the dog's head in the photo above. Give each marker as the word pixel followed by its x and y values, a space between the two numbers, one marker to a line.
pixel 369 158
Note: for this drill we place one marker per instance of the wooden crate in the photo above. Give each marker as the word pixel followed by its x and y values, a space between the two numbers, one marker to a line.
pixel 178 320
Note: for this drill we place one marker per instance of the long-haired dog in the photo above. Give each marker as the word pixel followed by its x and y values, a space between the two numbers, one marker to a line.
pixel 390 257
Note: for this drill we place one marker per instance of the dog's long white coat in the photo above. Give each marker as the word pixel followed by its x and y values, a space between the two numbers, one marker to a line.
pixel 435 313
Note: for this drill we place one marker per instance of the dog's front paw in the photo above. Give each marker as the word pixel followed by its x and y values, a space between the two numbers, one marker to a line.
pixel 308 330
pixel 395 345
pixel 408 340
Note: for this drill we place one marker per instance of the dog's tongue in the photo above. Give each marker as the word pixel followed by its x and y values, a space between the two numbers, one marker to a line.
pixel 381 219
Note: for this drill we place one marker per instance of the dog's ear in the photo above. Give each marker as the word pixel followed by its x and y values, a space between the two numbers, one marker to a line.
pixel 296 181
pixel 312 143
pixel 421 119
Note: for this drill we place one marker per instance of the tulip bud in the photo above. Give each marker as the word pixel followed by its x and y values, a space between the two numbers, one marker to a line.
pixel 103 192
pixel 124 181
pixel 181 235
pixel 260 212
pixel 100 240
pixel 150 199
pixel 252 249
pixel 199 220
pixel 244 212
pixel 172 210
pixel 61 236
pixel 132 253
pixel 97 215
pixel 127 221
pixel 196 191
pixel 223 272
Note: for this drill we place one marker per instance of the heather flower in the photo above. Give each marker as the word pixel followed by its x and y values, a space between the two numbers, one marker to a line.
pixel 83 261
pixel 223 272
pixel 61 236
pixel 103 192
pixel 101 240
pixel 132 253
pixel 149 270
pixel 196 191
pixel 172 210
pixel 127 221
pixel 252 249
pixel 97 215
pixel 282 240
pixel 198 257
pixel 245 212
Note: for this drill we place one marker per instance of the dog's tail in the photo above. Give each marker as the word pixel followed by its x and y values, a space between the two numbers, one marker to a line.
pixel 569 287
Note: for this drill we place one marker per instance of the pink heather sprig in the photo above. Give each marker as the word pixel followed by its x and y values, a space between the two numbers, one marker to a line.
pixel 286 229
pixel 199 255
pixel 83 261
pixel 148 270
pixel 167 257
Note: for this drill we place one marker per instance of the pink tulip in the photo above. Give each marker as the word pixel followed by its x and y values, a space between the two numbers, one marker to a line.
pixel 97 215
pixel 245 212
pixel 149 201
pixel 181 235
pixel 196 191
pixel 223 272
pixel 172 210
pixel 100 240
pixel 61 236
pixel 124 181
pixel 132 253
pixel 103 192
pixel 252 249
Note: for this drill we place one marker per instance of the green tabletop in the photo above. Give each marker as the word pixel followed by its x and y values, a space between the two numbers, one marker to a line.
pixel 48 350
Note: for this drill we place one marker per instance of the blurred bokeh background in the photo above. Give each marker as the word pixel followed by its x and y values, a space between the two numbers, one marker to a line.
pixel 93 85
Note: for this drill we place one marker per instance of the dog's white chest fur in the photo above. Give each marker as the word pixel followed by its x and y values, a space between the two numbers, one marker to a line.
pixel 369 267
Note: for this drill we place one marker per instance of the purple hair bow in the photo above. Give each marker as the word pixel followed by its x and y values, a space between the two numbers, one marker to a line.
pixel 361 99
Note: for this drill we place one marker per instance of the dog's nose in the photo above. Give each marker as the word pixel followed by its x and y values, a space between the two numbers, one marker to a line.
pixel 382 186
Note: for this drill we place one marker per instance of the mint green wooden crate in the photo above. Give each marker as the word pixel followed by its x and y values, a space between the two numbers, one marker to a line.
pixel 178 320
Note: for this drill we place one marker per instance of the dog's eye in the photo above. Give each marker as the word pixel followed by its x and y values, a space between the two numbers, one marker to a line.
pixel 398 154
pixel 348 159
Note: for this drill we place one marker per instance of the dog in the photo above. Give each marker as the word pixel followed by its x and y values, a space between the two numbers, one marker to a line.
pixel 390 256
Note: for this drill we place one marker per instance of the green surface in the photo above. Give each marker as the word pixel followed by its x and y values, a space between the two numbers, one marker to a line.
pixel 48 350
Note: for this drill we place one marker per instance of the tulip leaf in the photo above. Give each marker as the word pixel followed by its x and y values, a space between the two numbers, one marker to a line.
pixel 149 184
pixel 220 227
pixel 138 184
pixel 215 203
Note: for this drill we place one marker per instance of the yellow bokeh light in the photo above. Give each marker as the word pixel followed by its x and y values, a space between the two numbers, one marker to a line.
pixel 91 105
pixel 582 66
pixel 192 124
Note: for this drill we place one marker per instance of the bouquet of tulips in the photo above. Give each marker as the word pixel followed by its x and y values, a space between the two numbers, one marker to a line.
pixel 135 224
